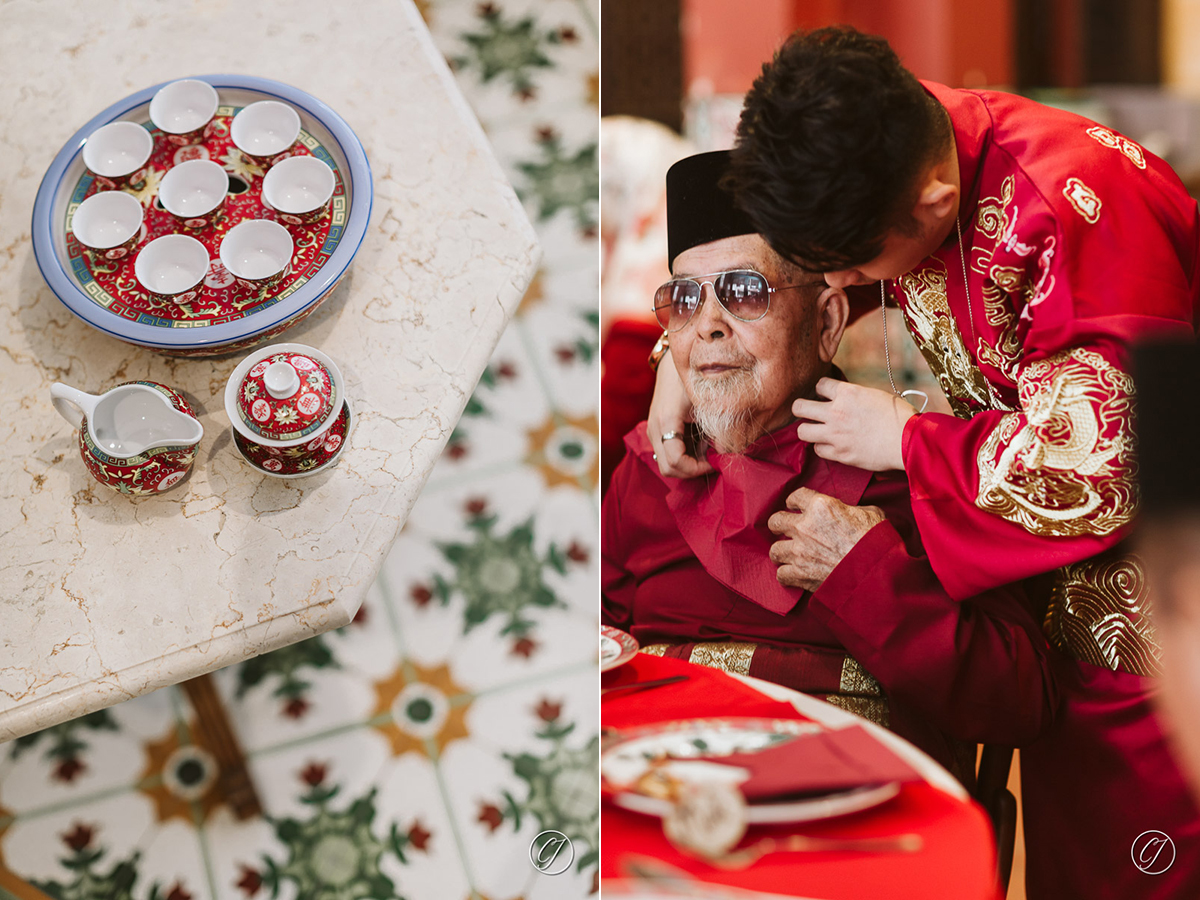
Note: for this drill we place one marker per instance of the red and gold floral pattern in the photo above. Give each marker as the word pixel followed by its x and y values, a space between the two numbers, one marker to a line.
pixel 151 472
pixel 288 418
pixel 307 458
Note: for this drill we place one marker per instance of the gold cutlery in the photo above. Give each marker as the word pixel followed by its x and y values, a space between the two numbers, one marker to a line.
pixel 747 856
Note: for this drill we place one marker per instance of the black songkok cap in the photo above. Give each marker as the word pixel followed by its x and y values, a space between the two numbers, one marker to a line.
pixel 1167 377
pixel 698 210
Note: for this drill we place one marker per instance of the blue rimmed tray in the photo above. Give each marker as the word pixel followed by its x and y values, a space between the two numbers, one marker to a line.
pixel 226 316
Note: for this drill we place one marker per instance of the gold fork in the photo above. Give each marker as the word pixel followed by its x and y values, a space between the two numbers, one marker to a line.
pixel 747 856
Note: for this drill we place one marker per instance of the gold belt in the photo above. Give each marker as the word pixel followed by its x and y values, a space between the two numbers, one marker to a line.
pixel 1099 613
pixel 857 691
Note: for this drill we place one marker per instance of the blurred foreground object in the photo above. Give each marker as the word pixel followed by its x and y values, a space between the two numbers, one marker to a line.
pixel 1168 389
pixel 634 157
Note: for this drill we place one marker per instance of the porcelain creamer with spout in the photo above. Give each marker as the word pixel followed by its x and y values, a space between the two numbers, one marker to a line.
pixel 138 438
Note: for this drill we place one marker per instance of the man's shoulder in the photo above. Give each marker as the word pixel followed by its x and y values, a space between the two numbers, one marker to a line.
pixel 1064 159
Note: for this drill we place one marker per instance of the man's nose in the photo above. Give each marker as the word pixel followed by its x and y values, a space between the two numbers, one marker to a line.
pixel 844 278
pixel 711 316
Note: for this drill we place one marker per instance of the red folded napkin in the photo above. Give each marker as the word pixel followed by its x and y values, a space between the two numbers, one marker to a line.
pixel 819 763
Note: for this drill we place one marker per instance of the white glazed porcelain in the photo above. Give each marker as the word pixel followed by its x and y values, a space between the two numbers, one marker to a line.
pixel 192 191
pixel 257 251
pixel 117 150
pixel 265 129
pixel 298 187
pixel 128 420
pixel 182 109
pixel 138 438
pixel 109 223
pixel 172 267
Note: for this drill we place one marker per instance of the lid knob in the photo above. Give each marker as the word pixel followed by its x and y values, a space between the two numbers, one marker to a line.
pixel 281 380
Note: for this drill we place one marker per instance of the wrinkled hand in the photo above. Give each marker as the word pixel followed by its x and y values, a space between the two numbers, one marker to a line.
pixel 858 426
pixel 816 536
pixel 670 411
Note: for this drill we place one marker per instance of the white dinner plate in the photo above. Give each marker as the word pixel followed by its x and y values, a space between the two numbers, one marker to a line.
pixel 625 760
pixel 616 647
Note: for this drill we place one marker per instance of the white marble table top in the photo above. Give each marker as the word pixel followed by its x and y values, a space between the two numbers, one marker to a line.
pixel 103 596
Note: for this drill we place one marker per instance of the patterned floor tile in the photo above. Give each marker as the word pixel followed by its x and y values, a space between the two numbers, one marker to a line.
pixel 529 766
pixel 80 758
pixel 410 795
pixel 294 693
pixel 173 858
pixel 234 852
pixel 74 842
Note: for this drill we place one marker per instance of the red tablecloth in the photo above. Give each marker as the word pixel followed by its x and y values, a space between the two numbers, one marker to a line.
pixel 957 860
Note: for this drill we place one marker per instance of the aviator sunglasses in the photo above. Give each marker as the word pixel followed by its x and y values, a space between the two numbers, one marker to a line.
pixel 743 293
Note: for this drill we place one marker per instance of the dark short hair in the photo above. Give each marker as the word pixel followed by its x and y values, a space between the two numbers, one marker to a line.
pixel 832 138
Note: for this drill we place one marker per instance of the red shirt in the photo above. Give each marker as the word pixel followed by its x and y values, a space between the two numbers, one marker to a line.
pixel 687 560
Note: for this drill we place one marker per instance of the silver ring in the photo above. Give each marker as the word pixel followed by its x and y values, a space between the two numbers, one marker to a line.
pixel 670 436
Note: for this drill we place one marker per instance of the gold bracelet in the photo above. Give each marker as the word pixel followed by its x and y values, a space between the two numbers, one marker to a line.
pixel 661 346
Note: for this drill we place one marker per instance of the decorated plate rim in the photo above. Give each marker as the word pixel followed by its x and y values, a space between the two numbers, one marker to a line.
pixel 625 639
pixel 809 809
pixel 213 336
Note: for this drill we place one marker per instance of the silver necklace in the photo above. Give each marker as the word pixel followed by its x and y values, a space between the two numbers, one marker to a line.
pixel 904 395
pixel 962 257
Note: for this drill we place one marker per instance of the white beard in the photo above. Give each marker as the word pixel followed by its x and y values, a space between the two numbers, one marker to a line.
pixel 723 409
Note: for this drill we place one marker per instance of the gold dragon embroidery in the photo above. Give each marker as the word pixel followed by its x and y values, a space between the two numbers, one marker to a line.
pixel 927 315
pixel 1068 467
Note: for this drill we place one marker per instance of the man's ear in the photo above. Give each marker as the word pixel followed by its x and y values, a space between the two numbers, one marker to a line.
pixel 833 311
pixel 937 202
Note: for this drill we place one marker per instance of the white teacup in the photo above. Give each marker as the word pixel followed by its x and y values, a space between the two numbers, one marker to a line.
pixel 257 252
pixel 109 223
pixel 265 130
pixel 172 267
pixel 117 153
pixel 182 109
pixel 193 191
pixel 298 189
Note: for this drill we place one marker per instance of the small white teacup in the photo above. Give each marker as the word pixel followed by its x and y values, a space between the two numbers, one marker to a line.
pixel 298 189
pixel 194 191
pixel 182 109
pixel 265 131
pixel 109 224
pixel 257 252
pixel 172 267
pixel 117 153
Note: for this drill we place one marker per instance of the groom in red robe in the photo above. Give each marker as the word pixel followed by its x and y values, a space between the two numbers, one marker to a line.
pixel 687 564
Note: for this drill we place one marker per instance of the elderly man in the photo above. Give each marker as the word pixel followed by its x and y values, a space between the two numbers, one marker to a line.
pixel 686 563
